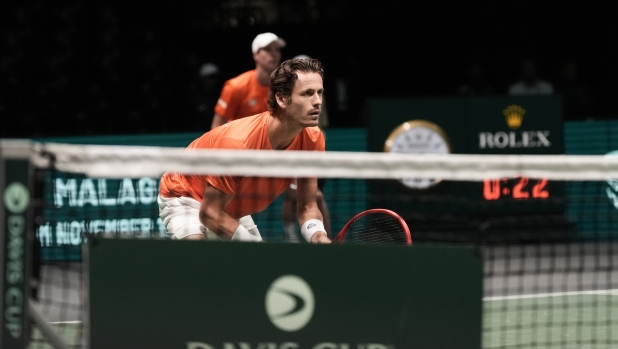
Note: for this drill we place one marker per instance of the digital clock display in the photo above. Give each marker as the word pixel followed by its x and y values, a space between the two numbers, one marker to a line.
pixel 520 188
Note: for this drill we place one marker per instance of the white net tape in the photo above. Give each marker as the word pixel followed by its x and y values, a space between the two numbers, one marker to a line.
pixel 134 161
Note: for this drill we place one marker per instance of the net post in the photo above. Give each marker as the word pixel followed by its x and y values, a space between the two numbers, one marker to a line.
pixel 16 234
pixel 87 239
pixel 51 336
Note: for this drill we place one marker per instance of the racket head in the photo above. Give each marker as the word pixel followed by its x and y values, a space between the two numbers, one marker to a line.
pixel 375 226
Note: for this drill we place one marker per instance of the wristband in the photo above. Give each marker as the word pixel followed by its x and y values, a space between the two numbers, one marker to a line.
pixel 242 234
pixel 311 227
pixel 248 223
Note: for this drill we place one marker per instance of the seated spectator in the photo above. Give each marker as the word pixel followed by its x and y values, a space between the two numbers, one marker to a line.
pixel 530 83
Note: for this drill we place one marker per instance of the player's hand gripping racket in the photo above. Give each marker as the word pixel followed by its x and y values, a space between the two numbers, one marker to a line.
pixel 375 226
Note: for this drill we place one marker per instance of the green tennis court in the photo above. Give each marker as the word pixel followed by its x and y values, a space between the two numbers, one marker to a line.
pixel 70 332
pixel 562 320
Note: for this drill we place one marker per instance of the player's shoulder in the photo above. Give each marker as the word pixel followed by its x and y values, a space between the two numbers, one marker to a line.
pixel 230 142
pixel 244 132
pixel 516 87
pixel 545 85
pixel 242 79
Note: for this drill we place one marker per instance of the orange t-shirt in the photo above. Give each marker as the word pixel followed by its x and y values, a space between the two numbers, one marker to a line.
pixel 251 194
pixel 242 96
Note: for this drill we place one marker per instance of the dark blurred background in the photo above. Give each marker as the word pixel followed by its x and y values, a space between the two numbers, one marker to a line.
pixel 99 68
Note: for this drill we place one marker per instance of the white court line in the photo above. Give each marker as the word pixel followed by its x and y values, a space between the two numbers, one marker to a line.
pixel 65 322
pixel 613 292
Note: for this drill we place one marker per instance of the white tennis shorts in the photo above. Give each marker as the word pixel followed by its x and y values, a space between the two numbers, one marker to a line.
pixel 181 218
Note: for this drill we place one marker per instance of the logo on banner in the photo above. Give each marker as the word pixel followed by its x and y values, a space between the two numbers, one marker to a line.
pixel 16 198
pixel 514 115
pixel 289 303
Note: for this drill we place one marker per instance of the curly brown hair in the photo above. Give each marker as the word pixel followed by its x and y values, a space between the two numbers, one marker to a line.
pixel 282 80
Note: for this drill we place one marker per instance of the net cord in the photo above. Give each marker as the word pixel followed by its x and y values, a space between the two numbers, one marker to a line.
pixel 147 161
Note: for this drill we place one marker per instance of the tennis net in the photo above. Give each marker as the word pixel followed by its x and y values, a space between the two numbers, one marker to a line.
pixel 546 225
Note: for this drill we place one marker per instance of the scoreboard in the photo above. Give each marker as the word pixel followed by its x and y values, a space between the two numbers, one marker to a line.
pixel 477 125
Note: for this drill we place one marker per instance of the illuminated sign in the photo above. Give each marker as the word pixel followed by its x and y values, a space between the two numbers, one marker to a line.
pixel 75 206
pixel 521 188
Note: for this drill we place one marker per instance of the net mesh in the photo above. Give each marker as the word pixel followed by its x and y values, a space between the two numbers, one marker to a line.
pixel 546 225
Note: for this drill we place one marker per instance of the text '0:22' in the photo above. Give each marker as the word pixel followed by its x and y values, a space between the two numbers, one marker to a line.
pixel 520 188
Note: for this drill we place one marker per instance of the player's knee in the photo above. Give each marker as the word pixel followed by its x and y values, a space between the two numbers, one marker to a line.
pixel 204 218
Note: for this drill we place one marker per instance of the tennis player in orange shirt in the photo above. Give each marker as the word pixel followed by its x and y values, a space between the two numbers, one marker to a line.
pixel 247 94
pixel 200 207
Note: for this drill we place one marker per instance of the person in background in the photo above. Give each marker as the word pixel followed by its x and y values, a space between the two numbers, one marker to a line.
pixel 206 95
pixel 247 93
pixel 529 82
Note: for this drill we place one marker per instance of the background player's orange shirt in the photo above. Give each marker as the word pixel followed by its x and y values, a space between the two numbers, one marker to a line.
pixel 242 96
pixel 251 194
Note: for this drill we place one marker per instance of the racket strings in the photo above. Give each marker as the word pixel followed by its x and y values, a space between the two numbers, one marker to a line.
pixel 376 228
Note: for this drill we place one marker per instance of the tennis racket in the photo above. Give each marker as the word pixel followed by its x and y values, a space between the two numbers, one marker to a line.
pixel 375 226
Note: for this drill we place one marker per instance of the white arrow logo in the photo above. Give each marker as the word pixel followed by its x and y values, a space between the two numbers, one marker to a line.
pixel 289 303
pixel 16 198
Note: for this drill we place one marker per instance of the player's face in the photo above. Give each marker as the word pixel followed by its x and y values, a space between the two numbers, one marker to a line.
pixel 269 56
pixel 306 100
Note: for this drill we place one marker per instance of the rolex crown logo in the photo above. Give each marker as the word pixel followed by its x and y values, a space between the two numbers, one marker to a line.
pixel 514 115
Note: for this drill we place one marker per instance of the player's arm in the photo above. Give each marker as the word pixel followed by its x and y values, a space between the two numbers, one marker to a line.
pixel 214 217
pixel 288 213
pixel 217 120
pixel 309 216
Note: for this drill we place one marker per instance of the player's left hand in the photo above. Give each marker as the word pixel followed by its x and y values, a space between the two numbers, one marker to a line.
pixel 320 238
